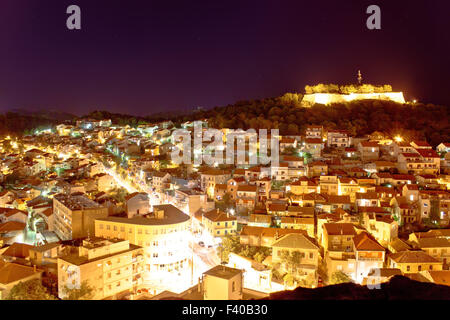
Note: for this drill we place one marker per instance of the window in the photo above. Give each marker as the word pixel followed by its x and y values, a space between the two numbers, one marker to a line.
pixel 108 227
pixel 408 268
pixel 101 226
pixel 115 228
pixel 233 287
pixel 420 268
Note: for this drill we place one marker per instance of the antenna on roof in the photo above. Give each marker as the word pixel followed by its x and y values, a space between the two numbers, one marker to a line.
pixel 359 77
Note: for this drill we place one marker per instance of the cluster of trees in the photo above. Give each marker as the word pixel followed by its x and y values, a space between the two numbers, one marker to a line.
pixel 417 121
pixel 231 244
pixel 286 113
pixel 116 118
pixel 347 89
pixel 289 270
pixel 29 290
pixel 339 277
pixel 34 290
pixel 16 124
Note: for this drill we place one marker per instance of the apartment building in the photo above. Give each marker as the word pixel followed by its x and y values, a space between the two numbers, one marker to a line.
pixel 162 234
pixel 110 266
pixel 219 224
pixel 74 216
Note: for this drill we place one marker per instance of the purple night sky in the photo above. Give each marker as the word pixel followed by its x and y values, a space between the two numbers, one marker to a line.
pixel 142 57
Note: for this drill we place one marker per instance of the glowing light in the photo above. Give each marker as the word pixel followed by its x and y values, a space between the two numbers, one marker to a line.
pixel 398 138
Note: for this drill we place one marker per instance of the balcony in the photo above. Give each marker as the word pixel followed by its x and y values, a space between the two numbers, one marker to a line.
pixel 370 259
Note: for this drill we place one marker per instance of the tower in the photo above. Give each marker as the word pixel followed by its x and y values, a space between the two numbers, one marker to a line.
pixel 359 77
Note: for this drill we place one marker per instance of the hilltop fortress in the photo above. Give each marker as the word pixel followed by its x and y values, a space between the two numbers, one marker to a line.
pixel 331 93
pixel 329 98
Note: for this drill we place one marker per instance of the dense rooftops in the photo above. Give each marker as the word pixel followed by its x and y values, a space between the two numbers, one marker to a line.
pixel 172 215
pixel 76 201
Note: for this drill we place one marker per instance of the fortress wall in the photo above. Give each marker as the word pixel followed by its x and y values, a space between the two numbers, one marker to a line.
pixel 329 98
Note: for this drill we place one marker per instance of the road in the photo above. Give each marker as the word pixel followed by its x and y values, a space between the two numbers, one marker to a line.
pixel 204 258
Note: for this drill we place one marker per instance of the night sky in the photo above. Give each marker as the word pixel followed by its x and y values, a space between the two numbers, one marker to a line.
pixel 142 57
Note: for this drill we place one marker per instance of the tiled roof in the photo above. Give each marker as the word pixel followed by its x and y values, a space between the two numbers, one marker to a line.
pixel 339 228
pixel 433 243
pixel 295 241
pixel 12 272
pixel 18 250
pixel 246 188
pixel 11 226
pixel 412 257
pixel 216 215
pixel 268 232
pixel 364 242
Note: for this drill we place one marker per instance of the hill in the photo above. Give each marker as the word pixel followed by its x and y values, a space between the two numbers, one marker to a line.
pixel 19 122
pixel 286 113
pixel 398 288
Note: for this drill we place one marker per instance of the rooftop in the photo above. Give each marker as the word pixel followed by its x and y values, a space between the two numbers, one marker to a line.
pixel 223 272
pixel 172 215
pixel 76 201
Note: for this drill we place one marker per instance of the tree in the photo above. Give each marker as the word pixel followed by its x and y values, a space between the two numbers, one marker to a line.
pixel 29 290
pixel 84 292
pixel 259 256
pixel 289 279
pixel 339 277
pixel 225 204
pixel 7 147
pixel 229 244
